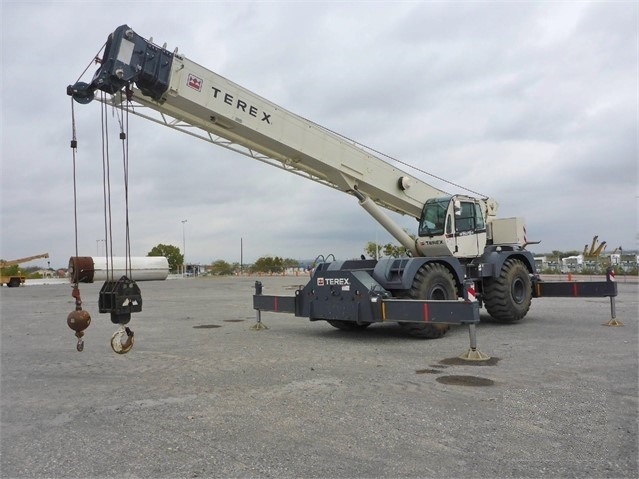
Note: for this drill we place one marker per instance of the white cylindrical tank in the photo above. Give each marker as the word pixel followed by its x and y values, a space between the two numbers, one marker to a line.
pixel 86 269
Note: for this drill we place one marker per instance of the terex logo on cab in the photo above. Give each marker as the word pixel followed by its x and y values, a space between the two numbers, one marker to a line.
pixel 333 281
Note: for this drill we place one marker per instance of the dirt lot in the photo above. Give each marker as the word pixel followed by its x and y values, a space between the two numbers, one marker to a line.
pixel 201 395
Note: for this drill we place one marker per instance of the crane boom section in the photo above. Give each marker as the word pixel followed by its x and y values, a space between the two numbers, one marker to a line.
pixel 182 89
pixel 4 264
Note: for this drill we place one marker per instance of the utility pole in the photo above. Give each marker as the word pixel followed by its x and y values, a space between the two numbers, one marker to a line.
pixel 183 249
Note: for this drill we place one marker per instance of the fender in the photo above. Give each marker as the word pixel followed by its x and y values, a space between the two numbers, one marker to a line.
pixel 398 274
pixel 494 257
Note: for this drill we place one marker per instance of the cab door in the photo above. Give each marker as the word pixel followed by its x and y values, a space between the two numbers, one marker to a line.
pixel 469 229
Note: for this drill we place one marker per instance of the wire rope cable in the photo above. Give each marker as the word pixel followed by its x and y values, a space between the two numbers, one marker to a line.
pixel 124 135
pixel 106 189
pixel 96 59
pixel 373 150
pixel 74 148
pixel 122 115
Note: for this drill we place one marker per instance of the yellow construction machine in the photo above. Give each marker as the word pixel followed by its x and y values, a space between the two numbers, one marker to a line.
pixel 595 250
pixel 13 280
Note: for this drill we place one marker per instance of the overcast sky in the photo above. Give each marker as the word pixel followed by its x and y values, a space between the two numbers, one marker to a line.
pixel 532 103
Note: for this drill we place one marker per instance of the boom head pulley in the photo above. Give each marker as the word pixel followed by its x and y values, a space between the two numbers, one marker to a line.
pixel 128 58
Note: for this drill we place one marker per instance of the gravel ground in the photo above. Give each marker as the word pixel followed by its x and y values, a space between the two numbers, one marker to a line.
pixel 201 395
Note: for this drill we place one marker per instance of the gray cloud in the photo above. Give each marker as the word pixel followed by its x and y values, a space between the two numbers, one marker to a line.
pixel 534 104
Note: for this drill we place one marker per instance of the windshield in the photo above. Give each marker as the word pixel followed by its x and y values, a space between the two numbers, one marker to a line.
pixel 433 219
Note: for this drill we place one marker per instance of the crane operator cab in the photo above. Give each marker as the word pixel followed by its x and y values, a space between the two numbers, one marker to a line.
pixel 452 225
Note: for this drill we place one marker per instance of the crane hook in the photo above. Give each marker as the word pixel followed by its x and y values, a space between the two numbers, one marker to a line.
pixel 122 340
pixel 78 320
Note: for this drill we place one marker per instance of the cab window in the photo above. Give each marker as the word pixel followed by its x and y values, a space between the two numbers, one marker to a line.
pixel 433 218
pixel 465 220
pixel 479 218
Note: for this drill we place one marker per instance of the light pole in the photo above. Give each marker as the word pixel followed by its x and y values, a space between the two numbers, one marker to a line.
pixel 183 248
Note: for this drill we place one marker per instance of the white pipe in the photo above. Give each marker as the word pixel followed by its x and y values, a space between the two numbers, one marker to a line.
pixel 140 268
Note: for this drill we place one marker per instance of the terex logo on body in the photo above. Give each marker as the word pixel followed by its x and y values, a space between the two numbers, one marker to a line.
pixel 333 282
pixel 194 82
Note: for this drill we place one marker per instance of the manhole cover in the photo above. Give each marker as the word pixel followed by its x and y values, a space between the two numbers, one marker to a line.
pixel 206 326
pixel 465 381
pixel 233 320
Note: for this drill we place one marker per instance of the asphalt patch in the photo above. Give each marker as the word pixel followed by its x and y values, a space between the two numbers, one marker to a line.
pixel 465 362
pixel 465 381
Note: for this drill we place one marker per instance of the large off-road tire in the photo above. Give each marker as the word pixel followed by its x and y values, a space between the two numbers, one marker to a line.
pixel 507 298
pixel 432 281
pixel 14 283
pixel 347 325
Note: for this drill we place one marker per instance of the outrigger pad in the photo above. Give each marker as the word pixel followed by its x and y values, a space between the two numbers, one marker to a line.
pixel 120 298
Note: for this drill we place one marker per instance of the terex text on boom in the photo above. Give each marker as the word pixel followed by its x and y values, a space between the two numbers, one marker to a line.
pixel 240 105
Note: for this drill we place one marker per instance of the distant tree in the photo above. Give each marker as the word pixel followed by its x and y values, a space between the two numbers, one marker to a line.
pixel 268 264
pixel 171 253
pixel 13 270
pixel 221 268
pixel 273 264
pixel 394 251
pixel 371 249
pixel 290 263
pixel 389 250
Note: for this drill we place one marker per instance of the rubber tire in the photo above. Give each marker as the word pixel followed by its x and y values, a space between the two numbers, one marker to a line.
pixel 347 325
pixel 13 283
pixel 507 298
pixel 433 281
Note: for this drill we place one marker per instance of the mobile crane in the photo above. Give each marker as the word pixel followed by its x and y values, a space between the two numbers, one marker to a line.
pixel 462 248
pixel 14 280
